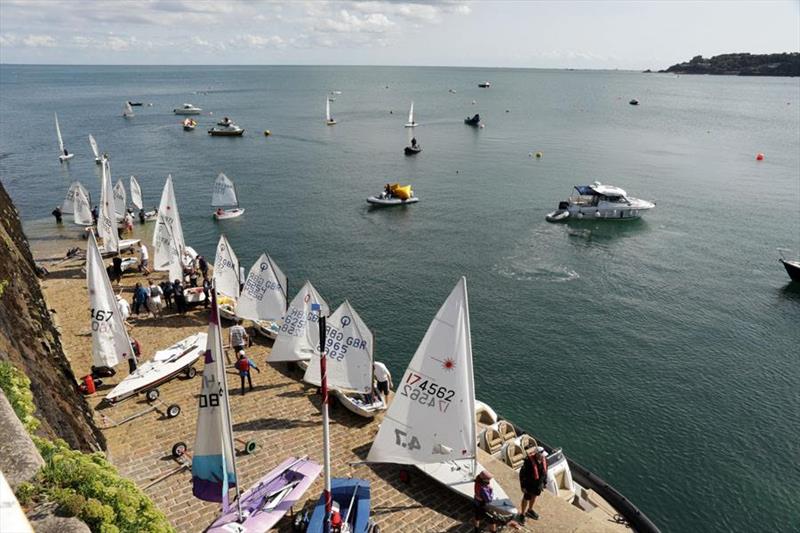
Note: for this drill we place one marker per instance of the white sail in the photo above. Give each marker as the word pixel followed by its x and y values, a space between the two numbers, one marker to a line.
pixel 411 113
pixel 136 193
pixel 264 294
pixel 168 243
pixel 224 193
pixel 68 205
pixel 82 212
pixel 349 344
pixel 327 110
pixel 95 149
pixel 120 199
pixel 107 218
pixel 226 269
pixel 127 110
pixel 432 416
pixel 60 140
pixel 298 338
pixel 110 342
pixel 213 471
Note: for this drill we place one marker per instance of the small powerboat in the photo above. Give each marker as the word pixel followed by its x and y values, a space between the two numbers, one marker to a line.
pixel 189 124
pixel 226 131
pixel 598 201
pixel 134 104
pixel 484 85
pixel 394 194
pixel 792 267
pixel 634 102
pixel 413 150
pixel 474 121
pixel 226 122
pixel 187 109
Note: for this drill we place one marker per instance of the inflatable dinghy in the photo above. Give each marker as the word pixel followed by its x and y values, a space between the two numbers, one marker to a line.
pixel 559 215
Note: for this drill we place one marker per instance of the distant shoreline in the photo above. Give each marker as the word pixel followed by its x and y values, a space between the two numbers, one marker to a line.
pixel 741 64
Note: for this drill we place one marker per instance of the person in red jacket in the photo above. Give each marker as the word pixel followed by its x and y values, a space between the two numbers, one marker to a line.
pixel 532 480
pixel 243 365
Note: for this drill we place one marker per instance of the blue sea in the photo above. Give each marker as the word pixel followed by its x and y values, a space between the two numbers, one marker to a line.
pixel 661 353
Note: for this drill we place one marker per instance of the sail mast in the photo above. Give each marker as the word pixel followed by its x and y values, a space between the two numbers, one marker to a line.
pixel 326 441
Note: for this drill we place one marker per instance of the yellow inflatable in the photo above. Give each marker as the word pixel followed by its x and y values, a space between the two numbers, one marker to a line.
pixel 403 192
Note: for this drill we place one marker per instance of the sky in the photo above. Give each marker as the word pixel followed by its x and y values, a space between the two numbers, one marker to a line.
pixel 567 34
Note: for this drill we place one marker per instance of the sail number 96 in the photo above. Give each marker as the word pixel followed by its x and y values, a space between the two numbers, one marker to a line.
pixel 427 392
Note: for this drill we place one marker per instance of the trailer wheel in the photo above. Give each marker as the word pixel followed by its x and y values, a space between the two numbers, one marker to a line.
pixel 250 447
pixel 151 395
pixel 173 410
pixel 179 449
pixel 191 372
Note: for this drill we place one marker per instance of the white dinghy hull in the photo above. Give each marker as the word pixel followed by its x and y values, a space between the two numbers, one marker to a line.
pixel 457 475
pixel 358 407
pixel 376 200
pixel 229 213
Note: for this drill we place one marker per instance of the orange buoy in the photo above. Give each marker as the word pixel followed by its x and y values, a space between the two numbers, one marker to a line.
pixel 759 156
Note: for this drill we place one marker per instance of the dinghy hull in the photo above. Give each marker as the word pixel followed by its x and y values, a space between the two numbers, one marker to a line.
pixel 343 492
pixel 459 477
pixel 229 213
pixel 376 200
pixel 358 407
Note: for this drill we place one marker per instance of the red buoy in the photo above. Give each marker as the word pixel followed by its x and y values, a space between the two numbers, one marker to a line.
pixel 759 156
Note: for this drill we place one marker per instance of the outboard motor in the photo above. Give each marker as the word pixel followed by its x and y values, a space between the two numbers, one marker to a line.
pixel 563 205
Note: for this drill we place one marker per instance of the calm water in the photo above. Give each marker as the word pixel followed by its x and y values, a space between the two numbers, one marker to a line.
pixel 663 353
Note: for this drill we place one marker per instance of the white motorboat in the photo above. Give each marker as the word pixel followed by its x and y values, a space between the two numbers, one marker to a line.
pixel 165 366
pixel 598 201
pixel 231 130
pixel 484 85
pixel 431 421
pixel 328 118
pixel 411 123
pixel 224 196
pixel 63 154
pixel 187 109
pixel 792 267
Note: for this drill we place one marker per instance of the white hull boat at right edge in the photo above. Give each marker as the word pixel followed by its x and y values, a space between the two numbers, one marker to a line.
pixel 598 201
pixel 431 421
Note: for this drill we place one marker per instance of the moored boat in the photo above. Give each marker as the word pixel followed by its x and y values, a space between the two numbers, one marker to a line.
pixel 394 194
pixel 598 201
pixel 231 130
pixel 792 267
pixel 484 85
pixel 189 124
pixel 474 121
pixel 187 109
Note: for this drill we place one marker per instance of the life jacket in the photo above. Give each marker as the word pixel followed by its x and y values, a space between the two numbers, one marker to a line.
pixel 137 348
pixel 243 365
pixel 535 469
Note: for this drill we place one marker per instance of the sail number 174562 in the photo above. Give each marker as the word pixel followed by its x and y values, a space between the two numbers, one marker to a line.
pixel 426 392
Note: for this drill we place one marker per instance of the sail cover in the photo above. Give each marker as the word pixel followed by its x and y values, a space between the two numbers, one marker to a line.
pixel 226 269
pixel 432 416
pixel 264 294
pixel 348 344
pixel 68 205
pixel 95 149
pixel 120 199
pixel 82 213
pixel 107 219
pixel 298 338
pixel 136 193
pixel 168 244
pixel 110 342
pixel 212 462
pixel 224 194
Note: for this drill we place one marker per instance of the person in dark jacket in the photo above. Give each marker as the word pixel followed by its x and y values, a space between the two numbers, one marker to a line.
pixel 117 264
pixel 95 214
pixel 142 217
pixel 57 213
pixel 202 265
pixel 168 291
pixel 140 296
pixel 206 291
pixel 532 480
pixel 180 298
pixel 134 356
pixel 483 496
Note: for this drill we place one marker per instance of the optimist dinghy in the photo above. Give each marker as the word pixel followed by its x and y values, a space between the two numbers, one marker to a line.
pixel 165 366
pixel 298 337
pixel 366 407
pixel 263 298
pixel 225 199
pixel 431 421
pixel 351 497
pixel 226 278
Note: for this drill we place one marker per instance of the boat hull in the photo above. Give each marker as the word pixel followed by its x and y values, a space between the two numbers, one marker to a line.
pixel 559 215
pixel 165 366
pixel 230 213
pixel 267 328
pixel 792 268
pixel 125 245
pixel 343 490
pixel 358 407
pixel 606 213
pixel 412 151
pixel 63 158
pixel 386 202
pixel 194 295
pixel 227 312
pixel 187 111
pixel 286 483
pixel 459 477
pixel 220 133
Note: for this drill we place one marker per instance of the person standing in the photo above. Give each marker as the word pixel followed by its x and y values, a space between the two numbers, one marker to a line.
pixel 383 379
pixel 243 365
pixel 180 298
pixel 128 222
pixel 144 260
pixel 140 296
pixel 192 276
pixel 124 308
pixel 133 357
pixel 155 298
pixel 95 214
pixel 206 291
pixel 237 336
pixel 203 265
pixel 167 289
pixel 57 213
pixel 242 277
pixel 142 216
pixel 532 480
pixel 483 496
pixel 116 263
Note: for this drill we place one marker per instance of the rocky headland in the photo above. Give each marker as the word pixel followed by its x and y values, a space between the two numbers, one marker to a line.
pixel 741 64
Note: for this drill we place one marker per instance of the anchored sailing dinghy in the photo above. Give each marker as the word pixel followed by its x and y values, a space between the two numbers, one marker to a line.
pixel 298 338
pixel 63 155
pixel 95 150
pixel 214 461
pixel 226 278
pixel 127 110
pixel 166 365
pixel 263 298
pixel 328 118
pixel 411 123
pixel 349 365
pixel 224 196
pixel 110 342
pixel 431 422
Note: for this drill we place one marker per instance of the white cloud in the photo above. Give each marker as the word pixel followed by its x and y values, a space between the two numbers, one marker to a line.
pixel 38 41
pixel 7 39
